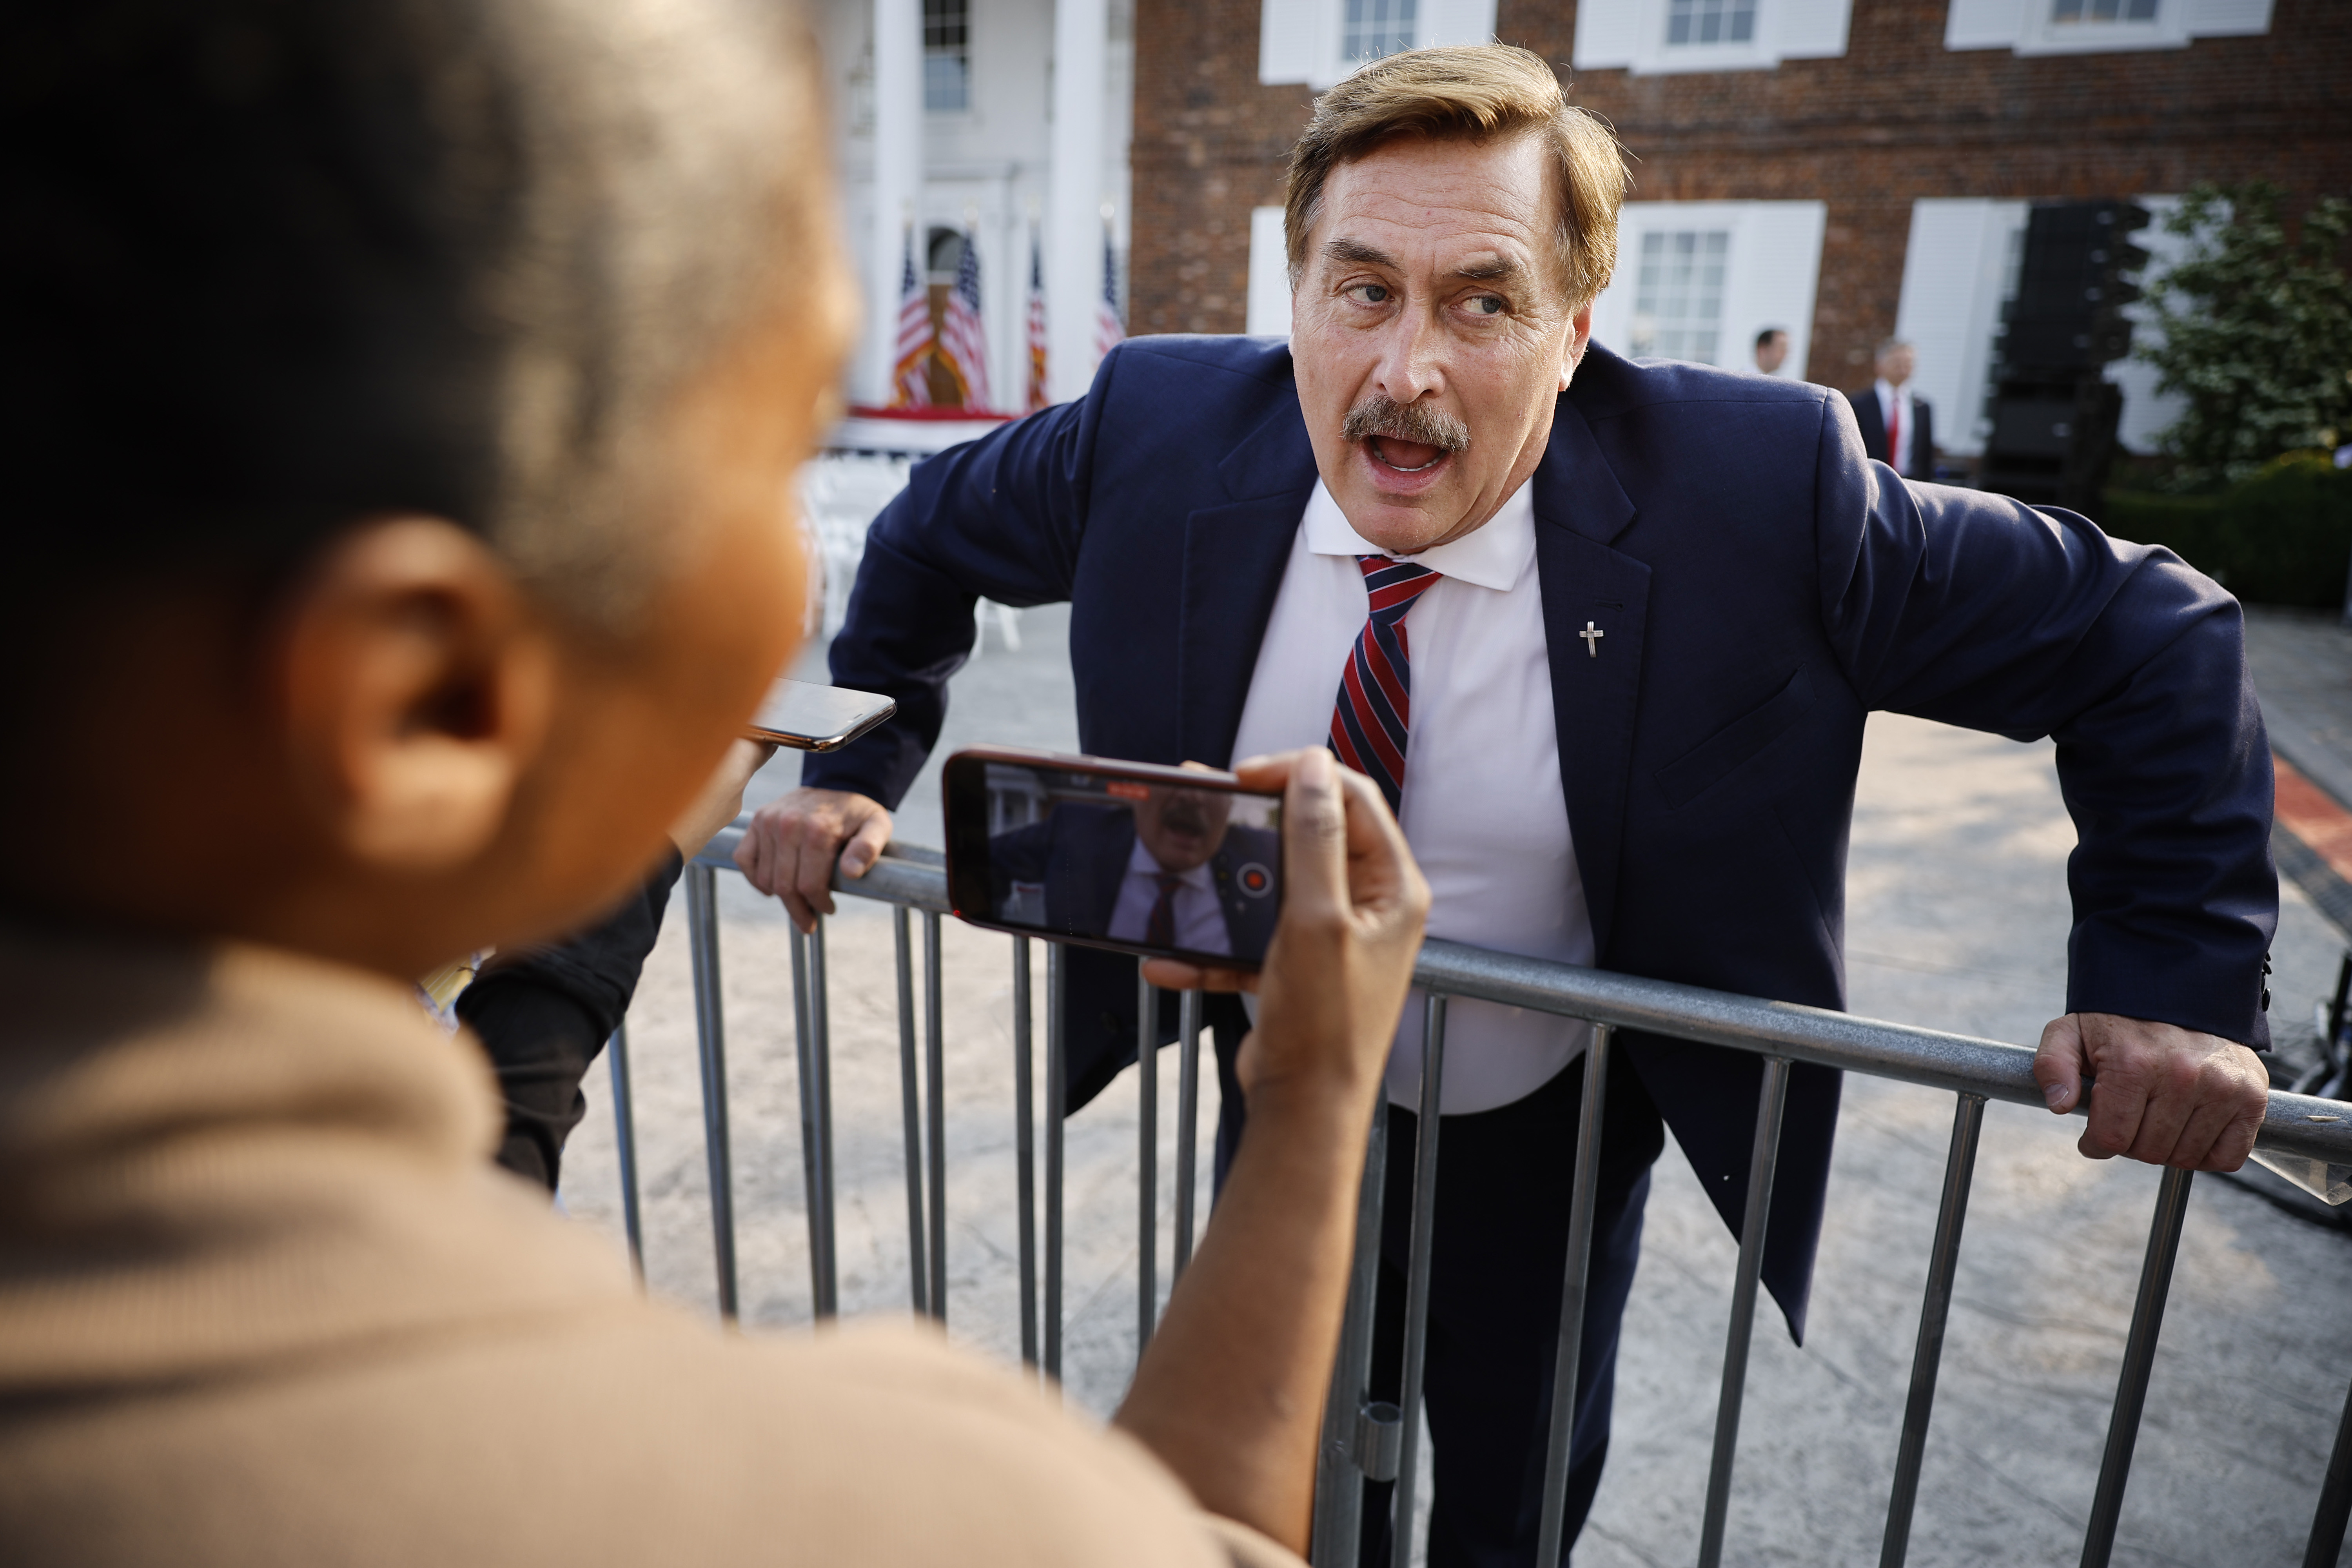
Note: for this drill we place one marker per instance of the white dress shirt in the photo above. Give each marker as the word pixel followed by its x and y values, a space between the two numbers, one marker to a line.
pixel 1890 397
pixel 1200 921
pixel 1483 805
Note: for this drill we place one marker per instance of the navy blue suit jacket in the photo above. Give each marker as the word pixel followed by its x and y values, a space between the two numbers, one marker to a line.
pixel 1762 586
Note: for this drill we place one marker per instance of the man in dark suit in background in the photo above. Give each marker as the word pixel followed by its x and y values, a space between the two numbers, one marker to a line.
pixel 1898 429
pixel 1649 607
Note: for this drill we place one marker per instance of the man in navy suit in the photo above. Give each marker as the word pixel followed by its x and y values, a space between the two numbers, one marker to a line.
pixel 1897 428
pixel 1605 633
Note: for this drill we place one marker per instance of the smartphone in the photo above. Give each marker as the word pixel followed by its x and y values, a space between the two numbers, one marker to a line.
pixel 807 717
pixel 1162 862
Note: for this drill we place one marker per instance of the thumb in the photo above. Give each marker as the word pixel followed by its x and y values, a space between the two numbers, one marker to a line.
pixel 866 846
pixel 2058 1064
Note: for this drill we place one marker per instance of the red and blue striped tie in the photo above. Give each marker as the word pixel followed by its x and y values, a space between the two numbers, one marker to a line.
pixel 1375 707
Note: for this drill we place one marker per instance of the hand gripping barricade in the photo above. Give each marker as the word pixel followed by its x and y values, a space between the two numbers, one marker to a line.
pixel 1366 1439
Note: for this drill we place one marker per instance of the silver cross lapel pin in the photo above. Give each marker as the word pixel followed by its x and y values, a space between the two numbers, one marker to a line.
pixel 1591 635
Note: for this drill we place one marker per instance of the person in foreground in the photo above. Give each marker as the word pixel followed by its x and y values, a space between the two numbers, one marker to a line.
pixel 490 334
pixel 1606 633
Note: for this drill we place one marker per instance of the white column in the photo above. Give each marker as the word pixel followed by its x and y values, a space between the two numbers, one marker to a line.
pixel 1073 225
pixel 897 181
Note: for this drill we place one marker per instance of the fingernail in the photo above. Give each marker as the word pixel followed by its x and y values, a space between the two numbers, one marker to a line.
pixel 2056 1094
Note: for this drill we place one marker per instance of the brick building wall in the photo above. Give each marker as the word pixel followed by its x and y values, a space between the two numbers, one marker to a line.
pixel 1898 118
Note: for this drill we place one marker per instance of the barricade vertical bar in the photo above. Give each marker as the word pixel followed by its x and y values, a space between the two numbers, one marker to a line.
pixel 625 1144
pixel 2335 1500
pixel 1960 1169
pixel 710 1036
pixel 1025 1148
pixel 1339 1483
pixel 817 1134
pixel 935 1089
pixel 1056 1092
pixel 911 1100
pixel 1761 1167
pixel 1568 1356
pixel 2139 1360
pixel 1146 1161
pixel 1188 1125
pixel 1416 1297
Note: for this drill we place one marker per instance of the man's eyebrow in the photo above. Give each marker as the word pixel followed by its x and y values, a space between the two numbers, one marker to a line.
pixel 1357 252
pixel 1496 269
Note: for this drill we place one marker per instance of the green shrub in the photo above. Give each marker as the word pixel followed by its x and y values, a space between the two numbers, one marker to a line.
pixel 2284 537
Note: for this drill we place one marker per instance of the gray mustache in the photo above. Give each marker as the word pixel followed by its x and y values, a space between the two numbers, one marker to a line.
pixel 1431 427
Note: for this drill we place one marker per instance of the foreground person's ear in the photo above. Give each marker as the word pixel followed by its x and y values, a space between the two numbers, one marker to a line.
pixel 415 685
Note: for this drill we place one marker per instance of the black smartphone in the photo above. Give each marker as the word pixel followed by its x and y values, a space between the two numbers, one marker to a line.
pixel 1162 862
pixel 807 717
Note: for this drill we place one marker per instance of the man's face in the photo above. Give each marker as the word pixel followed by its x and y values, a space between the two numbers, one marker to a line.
pixel 1896 364
pixel 1181 828
pixel 1773 353
pixel 1431 335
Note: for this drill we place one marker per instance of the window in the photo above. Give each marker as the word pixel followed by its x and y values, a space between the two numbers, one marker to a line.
pixel 1319 41
pixel 1679 294
pixel 1717 22
pixel 1376 28
pixel 2067 13
pixel 1698 280
pixel 2094 27
pixel 947 56
pixel 1647 37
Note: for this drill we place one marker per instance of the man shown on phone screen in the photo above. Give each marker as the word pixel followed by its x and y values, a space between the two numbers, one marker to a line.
pixel 1166 868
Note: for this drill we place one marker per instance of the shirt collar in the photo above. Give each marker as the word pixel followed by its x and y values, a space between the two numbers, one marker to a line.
pixel 1888 392
pixel 1496 554
pixel 1139 863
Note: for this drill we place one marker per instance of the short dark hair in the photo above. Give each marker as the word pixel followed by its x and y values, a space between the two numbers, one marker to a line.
pixel 1768 333
pixel 270 266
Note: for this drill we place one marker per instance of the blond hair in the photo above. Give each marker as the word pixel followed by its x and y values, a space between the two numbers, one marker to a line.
pixel 1476 92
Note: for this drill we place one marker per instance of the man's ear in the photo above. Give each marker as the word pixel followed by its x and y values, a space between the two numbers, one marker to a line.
pixel 1579 334
pixel 415 687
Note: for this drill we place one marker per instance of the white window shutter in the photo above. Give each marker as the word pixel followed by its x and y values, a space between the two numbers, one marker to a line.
pixel 2227 18
pixel 1455 22
pixel 1986 24
pixel 1288 34
pixel 1809 29
pixel 1939 310
pixel 1609 32
pixel 1776 264
pixel 1269 276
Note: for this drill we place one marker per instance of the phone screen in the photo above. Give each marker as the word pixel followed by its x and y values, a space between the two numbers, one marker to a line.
pixel 1145 860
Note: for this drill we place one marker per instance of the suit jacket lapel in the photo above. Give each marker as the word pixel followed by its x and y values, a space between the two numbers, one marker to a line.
pixel 1595 684
pixel 1233 560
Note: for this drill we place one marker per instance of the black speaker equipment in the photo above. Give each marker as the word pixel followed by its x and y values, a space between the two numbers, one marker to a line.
pixel 2053 414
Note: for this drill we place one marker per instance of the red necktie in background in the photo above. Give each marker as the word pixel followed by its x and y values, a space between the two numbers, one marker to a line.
pixel 1895 432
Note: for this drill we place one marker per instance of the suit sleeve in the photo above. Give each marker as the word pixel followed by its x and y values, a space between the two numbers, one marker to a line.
pixel 1976 610
pixel 1000 517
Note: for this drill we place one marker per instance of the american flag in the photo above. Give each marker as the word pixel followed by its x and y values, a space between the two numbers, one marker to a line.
pixel 1108 334
pixel 1037 396
pixel 910 382
pixel 964 346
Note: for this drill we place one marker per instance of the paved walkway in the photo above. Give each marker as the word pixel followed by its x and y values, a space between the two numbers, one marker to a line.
pixel 1957 920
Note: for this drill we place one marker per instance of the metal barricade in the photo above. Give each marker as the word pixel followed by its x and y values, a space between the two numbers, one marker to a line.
pixel 1364 1439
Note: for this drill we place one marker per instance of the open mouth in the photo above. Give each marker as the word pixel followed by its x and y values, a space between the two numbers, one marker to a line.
pixel 1405 457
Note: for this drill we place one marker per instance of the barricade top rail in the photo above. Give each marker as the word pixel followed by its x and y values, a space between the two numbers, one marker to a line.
pixel 2295 1124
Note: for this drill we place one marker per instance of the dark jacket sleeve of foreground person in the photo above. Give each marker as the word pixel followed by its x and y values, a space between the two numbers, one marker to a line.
pixel 543 1014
